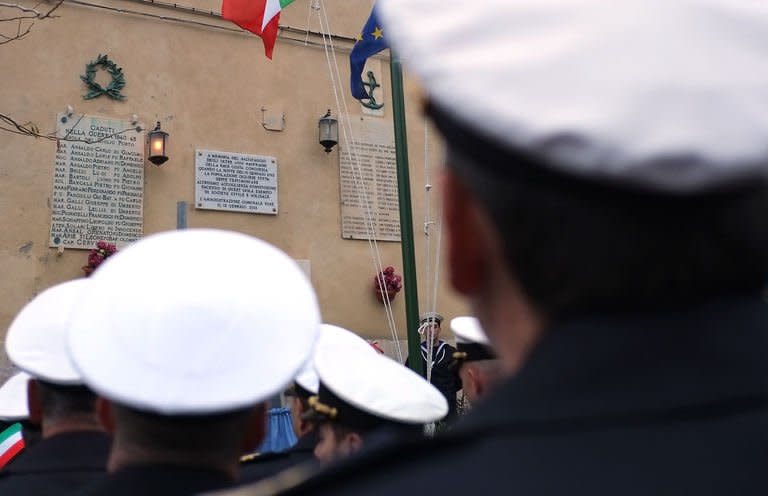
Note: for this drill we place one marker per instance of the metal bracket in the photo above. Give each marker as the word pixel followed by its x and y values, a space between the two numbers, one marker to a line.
pixel 273 122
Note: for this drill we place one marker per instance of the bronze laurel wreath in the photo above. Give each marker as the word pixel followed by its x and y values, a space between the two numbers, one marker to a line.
pixel 95 89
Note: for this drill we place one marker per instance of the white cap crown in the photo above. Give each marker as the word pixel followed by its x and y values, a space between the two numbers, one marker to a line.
pixel 468 330
pixel 37 338
pixel 195 321
pixel 666 95
pixel 13 398
pixel 371 382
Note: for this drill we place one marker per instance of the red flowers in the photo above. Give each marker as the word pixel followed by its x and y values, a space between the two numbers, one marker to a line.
pixel 97 256
pixel 387 283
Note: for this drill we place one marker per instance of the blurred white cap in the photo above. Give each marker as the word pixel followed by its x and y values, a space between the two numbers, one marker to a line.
pixel 371 383
pixel 195 321
pixel 662 94
pixel 468 330
pixel 13 398
pixel 37 338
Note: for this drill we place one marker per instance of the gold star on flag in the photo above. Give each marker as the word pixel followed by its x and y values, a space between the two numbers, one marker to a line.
pixel 359 37
pixel 377 33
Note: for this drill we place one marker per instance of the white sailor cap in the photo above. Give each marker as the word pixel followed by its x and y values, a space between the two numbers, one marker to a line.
pixel 431 317
pixel 37 338
pixel 362 388
pixel 471 342
pixel 195 321
pixel 665 96
pixel 13 398
pixel 330 336
pixel 467 329
pixel 307 379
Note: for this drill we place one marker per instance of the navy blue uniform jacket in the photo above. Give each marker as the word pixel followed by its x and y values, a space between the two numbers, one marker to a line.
pixel 61 464
pixel 672 402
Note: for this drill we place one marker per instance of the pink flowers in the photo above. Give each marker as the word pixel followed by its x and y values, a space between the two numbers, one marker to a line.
pixel 97 256
pixel 392 283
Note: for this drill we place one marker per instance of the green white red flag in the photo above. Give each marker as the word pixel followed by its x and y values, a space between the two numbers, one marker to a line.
pixel 11 443
pixel 260 17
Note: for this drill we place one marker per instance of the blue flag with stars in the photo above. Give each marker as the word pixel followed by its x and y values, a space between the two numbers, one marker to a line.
pixel 370 41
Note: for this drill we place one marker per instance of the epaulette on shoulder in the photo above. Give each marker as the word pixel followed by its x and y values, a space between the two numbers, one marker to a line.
pixel 249 457
pixel 261 457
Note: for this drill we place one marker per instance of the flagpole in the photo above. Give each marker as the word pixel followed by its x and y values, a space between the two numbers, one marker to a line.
pixel 406 217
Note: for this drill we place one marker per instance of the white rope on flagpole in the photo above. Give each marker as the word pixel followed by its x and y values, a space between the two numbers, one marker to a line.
pixel 313 5
pixel 333 68
pixel 432 270
pixel 434 223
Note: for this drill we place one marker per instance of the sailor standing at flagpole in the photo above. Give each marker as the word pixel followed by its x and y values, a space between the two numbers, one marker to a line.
pixel 438 359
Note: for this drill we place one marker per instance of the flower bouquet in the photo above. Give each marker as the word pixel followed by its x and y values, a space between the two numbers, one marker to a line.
pixel 386 284
pixel 97 256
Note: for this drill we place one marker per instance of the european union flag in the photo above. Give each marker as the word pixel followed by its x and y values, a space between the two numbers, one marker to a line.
pixel 370 41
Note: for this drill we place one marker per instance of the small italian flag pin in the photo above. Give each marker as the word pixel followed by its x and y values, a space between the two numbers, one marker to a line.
pixel 11 443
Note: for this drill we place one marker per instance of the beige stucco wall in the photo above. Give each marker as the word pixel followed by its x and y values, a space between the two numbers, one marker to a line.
pixel 207 86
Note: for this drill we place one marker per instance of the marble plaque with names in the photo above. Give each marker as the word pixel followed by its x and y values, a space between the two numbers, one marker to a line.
pixel 236 182
pixel 98 182
pixel 368 182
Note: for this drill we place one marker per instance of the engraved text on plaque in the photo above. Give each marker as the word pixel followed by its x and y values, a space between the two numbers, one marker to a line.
pixel 98 182
pixel 235 181
pixel 368 176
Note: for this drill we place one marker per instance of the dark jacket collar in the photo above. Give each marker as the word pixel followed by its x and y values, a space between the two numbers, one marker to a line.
pixel 307 442
pixel 638 364
pixel 81 450
pixel 166 480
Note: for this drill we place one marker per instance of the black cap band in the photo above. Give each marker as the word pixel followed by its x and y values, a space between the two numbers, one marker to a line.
pixel 472 352
pixel 327 407
pixel 301 391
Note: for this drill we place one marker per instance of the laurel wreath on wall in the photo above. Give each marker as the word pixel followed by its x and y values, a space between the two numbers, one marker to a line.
pixel 115 85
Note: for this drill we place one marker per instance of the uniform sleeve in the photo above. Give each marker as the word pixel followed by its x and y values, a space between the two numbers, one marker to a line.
pixel 454 370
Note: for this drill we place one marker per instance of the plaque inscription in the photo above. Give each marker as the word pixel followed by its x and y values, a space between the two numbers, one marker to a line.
pixel 98 188
pixel 368 170
pixel 236 182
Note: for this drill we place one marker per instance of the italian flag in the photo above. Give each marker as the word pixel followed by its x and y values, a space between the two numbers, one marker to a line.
pixel 260 17
pixel 11 443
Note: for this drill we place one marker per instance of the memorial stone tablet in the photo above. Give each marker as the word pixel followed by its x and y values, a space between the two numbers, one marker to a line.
pixel 368 182
pixel 236 182
pixel 98 182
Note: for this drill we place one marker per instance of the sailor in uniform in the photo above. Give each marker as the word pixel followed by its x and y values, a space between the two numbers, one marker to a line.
pixel 365 400
pixel 185 350
pixel 366 397
pixel 605 200
pixel 477 363
pixel 437 355
pixel 73 450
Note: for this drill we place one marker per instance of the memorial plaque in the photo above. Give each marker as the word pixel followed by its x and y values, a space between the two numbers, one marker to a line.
pixel 368 177
pixel 98 182
pixel 236 182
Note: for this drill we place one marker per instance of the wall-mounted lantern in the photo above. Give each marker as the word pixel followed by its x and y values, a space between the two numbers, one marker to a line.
pixel 328 130
pixel 158 140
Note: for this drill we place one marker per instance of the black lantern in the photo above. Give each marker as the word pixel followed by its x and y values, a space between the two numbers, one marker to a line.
pixel 328 130
pixel 158 140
